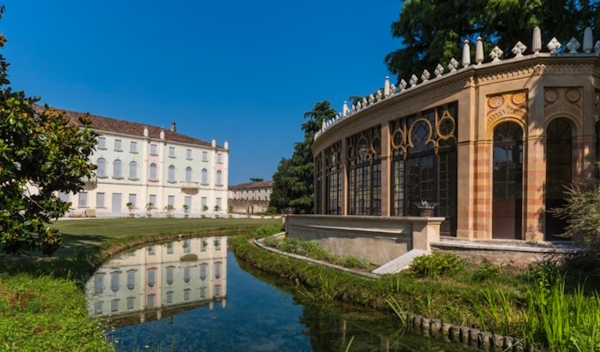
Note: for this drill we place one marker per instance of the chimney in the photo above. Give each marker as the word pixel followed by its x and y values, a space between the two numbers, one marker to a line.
pixel 174 126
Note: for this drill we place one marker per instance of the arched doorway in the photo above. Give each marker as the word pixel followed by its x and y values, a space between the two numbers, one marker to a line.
pixel 559 167
pixel 507 198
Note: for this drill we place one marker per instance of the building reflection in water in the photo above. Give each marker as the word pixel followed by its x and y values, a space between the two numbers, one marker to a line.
pixel 160 281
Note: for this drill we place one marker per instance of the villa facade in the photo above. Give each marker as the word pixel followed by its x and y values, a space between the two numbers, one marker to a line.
pixel 493 144
pixel 250 197
pixel 143 164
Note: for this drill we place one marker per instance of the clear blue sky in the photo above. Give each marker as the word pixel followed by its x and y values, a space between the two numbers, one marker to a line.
pixel 244 71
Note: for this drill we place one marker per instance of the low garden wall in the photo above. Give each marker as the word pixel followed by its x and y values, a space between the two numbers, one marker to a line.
pixel 379 239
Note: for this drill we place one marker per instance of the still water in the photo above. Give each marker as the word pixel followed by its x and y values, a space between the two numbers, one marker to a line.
pixel 193 295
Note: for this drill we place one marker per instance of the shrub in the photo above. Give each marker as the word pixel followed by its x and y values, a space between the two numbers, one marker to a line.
pixel 436 265
pixel 486 271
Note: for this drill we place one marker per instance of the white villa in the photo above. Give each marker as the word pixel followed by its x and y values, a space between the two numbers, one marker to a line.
pixel 142 164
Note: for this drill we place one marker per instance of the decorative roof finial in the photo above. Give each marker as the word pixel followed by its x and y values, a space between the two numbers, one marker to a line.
pixel 479 51
pixel 466 54
pixel 588 41
pixel 386 87
pixel 536 43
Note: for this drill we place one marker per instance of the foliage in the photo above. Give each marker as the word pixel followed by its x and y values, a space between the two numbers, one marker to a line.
pixel 486 271
pixel 217 208
pixel 432 31
pixel 293 182
pixel 582 212
pixel 41 313
pixel 186 208
pixel 436 265
pixel 130 206
pixel 41 153
pixel 315 251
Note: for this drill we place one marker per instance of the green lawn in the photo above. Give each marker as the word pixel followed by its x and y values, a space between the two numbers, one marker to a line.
pixel 84 234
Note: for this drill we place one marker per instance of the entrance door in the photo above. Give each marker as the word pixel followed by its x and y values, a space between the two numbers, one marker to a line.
pixel 116 202
pixel 507 176
pixel 559 164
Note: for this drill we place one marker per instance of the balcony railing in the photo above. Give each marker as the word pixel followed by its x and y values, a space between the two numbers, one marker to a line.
pixel 189 185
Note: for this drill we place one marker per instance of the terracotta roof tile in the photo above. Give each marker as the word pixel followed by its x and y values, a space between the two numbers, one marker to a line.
pixel 250 185
pixel 109 124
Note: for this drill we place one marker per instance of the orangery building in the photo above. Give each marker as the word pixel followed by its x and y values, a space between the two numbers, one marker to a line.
pixel 491 143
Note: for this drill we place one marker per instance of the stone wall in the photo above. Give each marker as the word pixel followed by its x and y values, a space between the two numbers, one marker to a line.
pixel 248 206
pixel 379 239
pixel 509 253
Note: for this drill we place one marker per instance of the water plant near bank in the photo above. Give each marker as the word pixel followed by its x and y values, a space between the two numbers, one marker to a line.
pixel 539 307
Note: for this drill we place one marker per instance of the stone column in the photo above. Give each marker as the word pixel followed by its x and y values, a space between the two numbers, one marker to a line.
pixel 385 170
pixel 468 163
pixel 480 215
pixel 534 179
pixel 534 168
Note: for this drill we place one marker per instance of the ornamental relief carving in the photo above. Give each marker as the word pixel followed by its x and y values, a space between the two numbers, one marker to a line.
pixel 564 100
pixel 432 128
pixel 506 104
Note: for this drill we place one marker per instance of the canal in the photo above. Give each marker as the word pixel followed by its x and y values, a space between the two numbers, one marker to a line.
pixel 193 295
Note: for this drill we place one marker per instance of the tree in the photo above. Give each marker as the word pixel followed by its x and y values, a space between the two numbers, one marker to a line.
pixel 41 153
pixel 279 198
pixel 432 31
pixel 293 183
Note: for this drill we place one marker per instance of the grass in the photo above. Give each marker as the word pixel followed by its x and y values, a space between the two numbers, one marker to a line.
pixel 42 304
pixel 542 305
pixel 315 251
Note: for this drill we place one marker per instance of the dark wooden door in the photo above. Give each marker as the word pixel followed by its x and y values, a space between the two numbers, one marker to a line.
pixel 507 183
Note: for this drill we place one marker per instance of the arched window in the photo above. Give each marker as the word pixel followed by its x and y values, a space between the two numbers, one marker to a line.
pixel 188 174
pixel 170 278
pixel 153 172
pixel 171 173
pixel 133 169
pixel 204 176
pixel 101 167
pixel 507 187
pixel 219 177
pixel 117 168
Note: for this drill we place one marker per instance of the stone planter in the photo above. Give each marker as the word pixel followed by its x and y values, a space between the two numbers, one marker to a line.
pixel 272 216
pixel 131 215
pixel 262 216
pixel 149 216
pixel 203 216
pixel 248 216
pixel 186 216
pixel 230 216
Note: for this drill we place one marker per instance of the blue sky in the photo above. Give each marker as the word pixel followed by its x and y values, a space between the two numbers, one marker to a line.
pixel 244 71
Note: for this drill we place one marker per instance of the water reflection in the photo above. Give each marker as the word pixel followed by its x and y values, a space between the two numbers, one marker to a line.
pixel 160 281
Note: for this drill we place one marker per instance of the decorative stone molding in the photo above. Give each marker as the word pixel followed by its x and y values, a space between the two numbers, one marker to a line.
pixel 564 101
pixel 502 106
